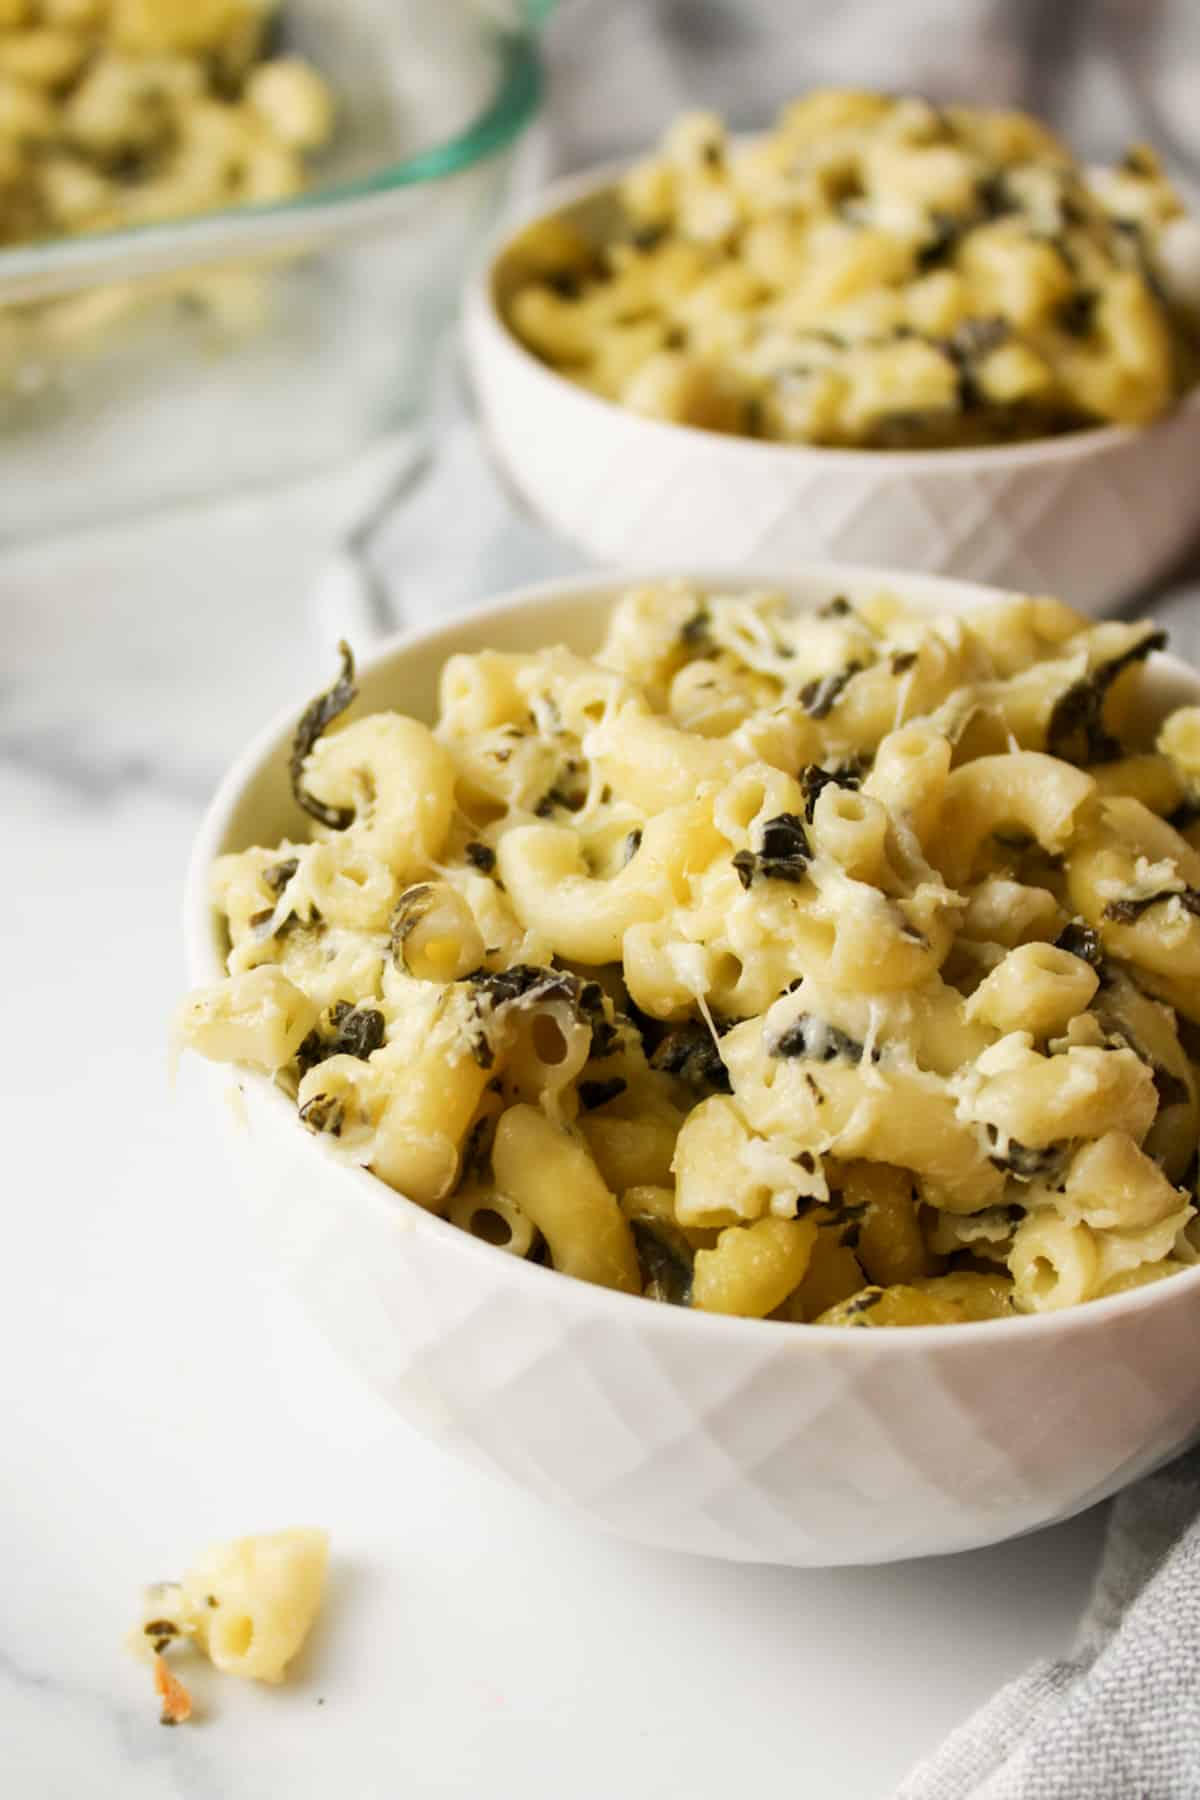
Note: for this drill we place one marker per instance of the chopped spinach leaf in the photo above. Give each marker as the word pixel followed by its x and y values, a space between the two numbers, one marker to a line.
pixel 814 780
pixel 536 985
pixel 862 1302
pixel 994 196
pixel 942 242
pixel 666 1260
pixel 1170 1089
pixel 783 854
pixel 317 718
pixel 598 1093
pixel 323 1113
pixel 648 237
pixel 1185 816
pixel 1081 940
pixel 819 697
pixel 566 283
pixel 1125 912
pixel 1025 1164
pixel 344 1030
pixel 477 1146
pixel 1075 730
pixel 694 632
pixel 689 1053
pixel 279 874
pixel 407 914
pixel 815 1040
pixel 1077 313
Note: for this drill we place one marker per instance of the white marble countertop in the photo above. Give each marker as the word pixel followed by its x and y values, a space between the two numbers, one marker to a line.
pixel 162 1390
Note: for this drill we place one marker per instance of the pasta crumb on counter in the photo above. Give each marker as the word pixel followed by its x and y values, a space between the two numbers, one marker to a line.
pixel 875 273
pixel 247 1605
pixel 836 967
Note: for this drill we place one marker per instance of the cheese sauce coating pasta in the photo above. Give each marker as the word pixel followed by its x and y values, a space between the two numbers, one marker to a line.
pixel 874 272
pixel 840 966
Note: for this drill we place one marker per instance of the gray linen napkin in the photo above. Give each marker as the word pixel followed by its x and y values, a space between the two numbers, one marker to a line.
pixel 1119 1718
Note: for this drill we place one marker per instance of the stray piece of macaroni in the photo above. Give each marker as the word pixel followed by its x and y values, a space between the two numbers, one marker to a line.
pixel 247 1605
pixel 837 968
pixel 876 273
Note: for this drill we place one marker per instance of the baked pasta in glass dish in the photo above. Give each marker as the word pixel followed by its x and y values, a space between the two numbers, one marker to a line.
pixel 836 967
pixel 874 273
pixel 128 112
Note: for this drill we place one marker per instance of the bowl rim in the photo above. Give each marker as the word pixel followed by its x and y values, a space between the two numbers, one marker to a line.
pixel 592 184
pixel 397 1209
pixel 509 108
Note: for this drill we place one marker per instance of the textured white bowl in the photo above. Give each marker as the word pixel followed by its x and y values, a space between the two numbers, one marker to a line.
pixel 1093 516
pixel 729 1437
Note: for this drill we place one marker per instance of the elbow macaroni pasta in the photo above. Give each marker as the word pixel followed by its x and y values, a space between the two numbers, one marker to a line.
pixel 874 272
pixel 838 1012
pixel 247 1605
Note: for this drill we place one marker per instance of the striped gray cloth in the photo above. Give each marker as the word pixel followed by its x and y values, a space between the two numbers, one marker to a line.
pixel 1119 1718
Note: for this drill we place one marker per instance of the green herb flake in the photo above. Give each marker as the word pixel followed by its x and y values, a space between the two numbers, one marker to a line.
pixel 345 1030
pixel 814 780
pixel 1075 730
pixel 784 852
pixel 819 697
pixel 666 1261
pixel 323 1113
pixel 694 632
pixel 1077 313
pixel 689 1053
pixel 279 874
pixel 1128 911
pixel 316 720
pixel 1024 1163
pixel 863 1302
pixel 598 1093
pixel 810 1039
pixel 481 857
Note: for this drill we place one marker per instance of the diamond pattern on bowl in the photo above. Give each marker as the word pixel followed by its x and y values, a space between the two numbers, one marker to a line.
pixel 758 1443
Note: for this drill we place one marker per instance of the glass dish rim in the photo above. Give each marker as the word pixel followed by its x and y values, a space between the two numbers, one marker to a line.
pixel 508 110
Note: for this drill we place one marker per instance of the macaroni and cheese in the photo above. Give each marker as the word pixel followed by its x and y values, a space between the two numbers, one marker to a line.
pixel 117 113
pixel 126 112
pixel 874 272
pixel 837 967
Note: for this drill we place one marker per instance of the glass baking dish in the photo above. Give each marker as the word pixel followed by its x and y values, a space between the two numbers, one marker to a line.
pixel 213 353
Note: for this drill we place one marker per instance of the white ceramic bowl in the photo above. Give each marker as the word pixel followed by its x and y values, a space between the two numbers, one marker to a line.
pixel 730 1437
pixel 1093 516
